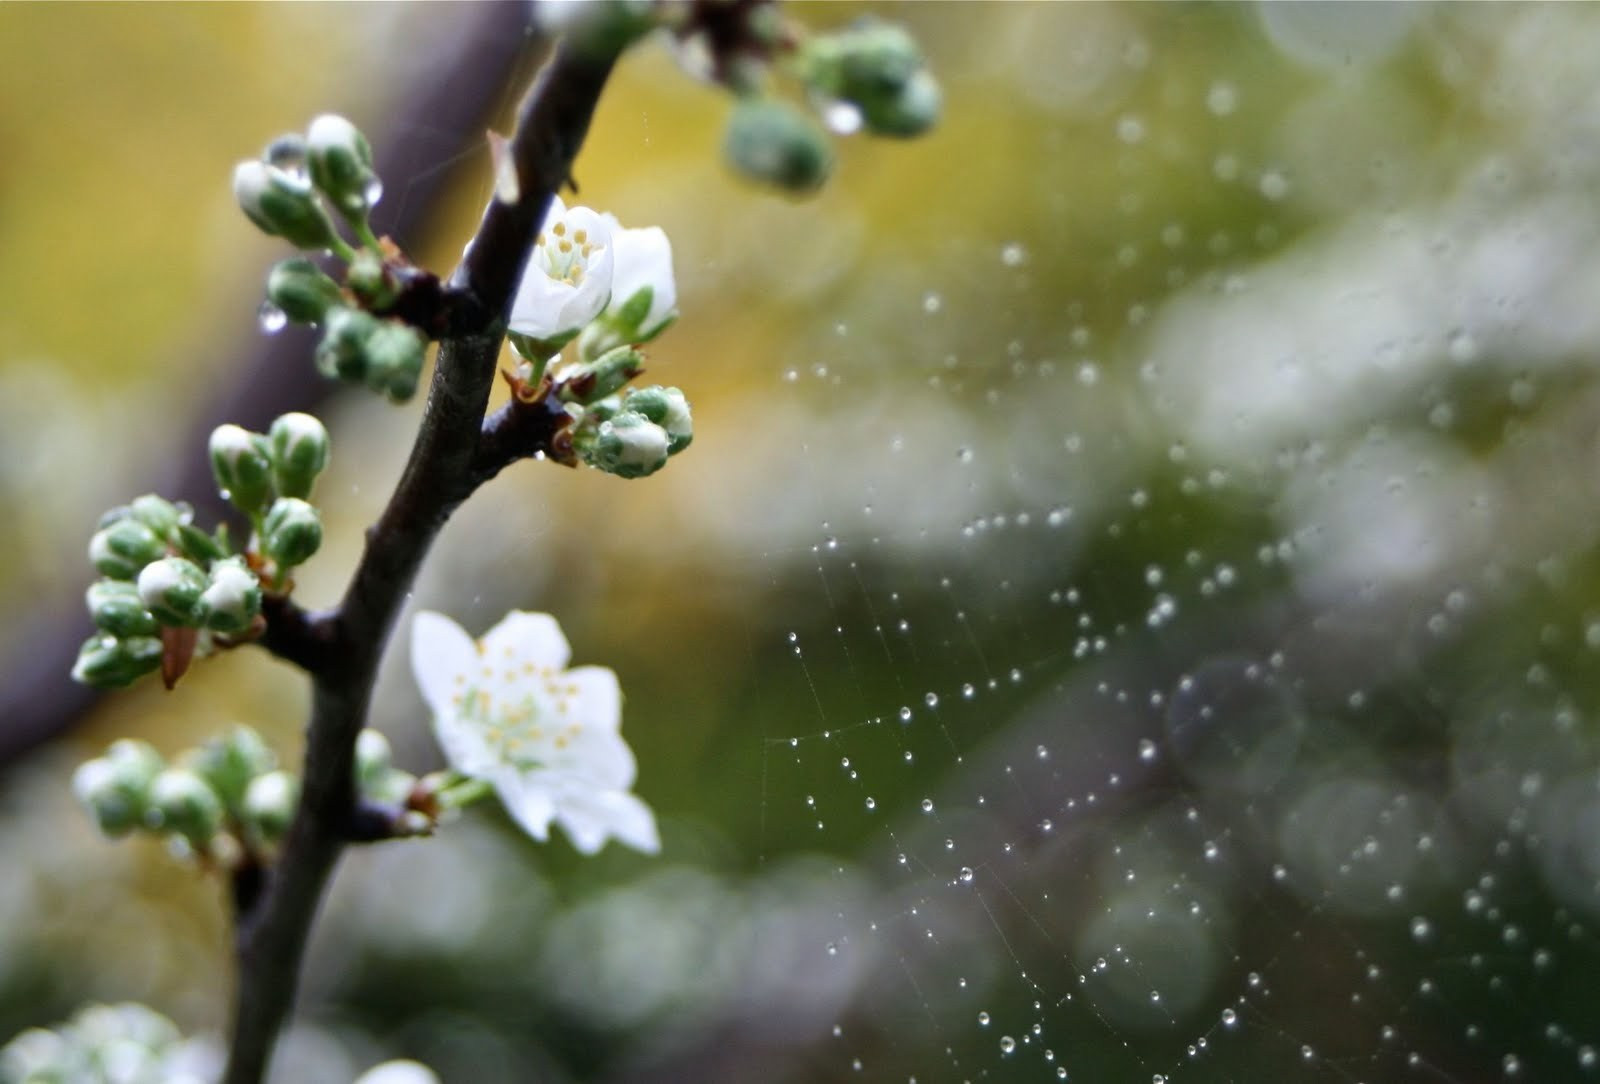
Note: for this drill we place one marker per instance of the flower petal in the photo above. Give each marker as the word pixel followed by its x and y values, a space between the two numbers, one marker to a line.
pixel 528 800
pixel 596 698
pixel 527 638
pixel 441 651
pixel 644 258
pixel 591 818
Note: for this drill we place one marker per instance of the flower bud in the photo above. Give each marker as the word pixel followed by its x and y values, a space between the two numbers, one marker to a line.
pixel 774 143
pixel 878 68
pixel 116 609
pixel 269 803
pixel 107 662
pixel 299 444
pixel 667 408
pixel 342 353
pixel 370 279
pixel 628 445
pixel 282 204
pixel 394 359
pixel 911 112
pixel 159 514
pixel 182 802
pixel 301 291
pixel 229 762
pixel 373 756
pixel 292 532
pixel 124 548
pixel 115 788
pixel 198 546
pixel 240 463
pixel 171 589
pixel 233 600
pixel 340 161
pixel 592 381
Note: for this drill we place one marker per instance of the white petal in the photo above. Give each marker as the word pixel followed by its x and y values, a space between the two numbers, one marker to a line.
pixel 644 258
pixel 530 804
pixel 591 818
pixel 399 1072
pixel 597 700
pixel 441 651
pixel 527 637
pixel 599 758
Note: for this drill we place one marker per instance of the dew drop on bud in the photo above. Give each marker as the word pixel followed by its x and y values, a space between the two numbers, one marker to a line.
pixel 373 192
pixel 842 118
pixel 271 318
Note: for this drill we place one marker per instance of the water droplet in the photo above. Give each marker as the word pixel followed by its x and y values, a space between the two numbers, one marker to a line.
pixel 1274 185
pixel 271 318
pixel 1421 928
pixel 932 700
pixel 905 714
pixel 963 455
pixel 965 876
pixel 1013 255
pixel 932 302
pixel 1147 750
pixel 927 805
pixel 1229 1018
pixel 1222 99
pixel 872 803
pixel 983 1019
pixel 1007 1044
pixel 833 949
pixel 373 192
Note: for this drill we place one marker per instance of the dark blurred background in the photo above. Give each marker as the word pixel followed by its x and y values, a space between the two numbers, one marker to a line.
pixel 1129 613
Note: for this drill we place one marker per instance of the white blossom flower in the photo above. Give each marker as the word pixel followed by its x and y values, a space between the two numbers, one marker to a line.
pixel 643 261
pixel 568 278
pixel 399 1072
pixel 507 711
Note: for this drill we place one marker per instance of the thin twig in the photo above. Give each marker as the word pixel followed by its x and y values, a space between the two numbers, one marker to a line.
pixel 445 466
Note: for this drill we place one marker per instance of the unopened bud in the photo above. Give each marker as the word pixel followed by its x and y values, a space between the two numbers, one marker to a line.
pixel 340 161
pixel 292 532
pixel 229 762
pixel 342 353
pixel 116 609
pixel 115 789
pixel 592 381
pixel 159 514
pixel 124 548
pixel 373 755
pixel 269 803
pixel 233 600
pixel 182 802
pixel 370 279
pixel 667 408
pixel 394 359
pixel 629 445
pixel 171 590
pixel 240 463
pixel 107 662
pixel 282 204
pixel 302 291
pixel 299 445
pixel 878 68
pixel 774 143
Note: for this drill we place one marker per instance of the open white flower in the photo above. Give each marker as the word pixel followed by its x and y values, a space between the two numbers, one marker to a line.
pixel 568 278
pixel 643 262
pixel 507 711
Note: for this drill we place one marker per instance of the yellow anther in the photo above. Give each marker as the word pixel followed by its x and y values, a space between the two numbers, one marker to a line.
pixel 559 229
pixel 565 246
pixel 580 236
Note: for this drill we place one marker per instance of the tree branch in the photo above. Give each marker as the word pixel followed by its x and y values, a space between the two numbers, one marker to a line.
pixel 445 466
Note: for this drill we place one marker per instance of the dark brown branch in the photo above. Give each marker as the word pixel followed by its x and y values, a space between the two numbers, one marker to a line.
pixel 295 635
pixel 444 468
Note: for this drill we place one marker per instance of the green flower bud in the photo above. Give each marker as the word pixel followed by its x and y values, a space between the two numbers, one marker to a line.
pixel 340 161
pixel 282 204
pixel 299 445
pixel 124 548
pixel 628 445
pixel 40 1056
pixel 774 143
pixel 667 408
pixel 159 514
pixel 373 756
pixel 107 662
pixel 394 359
pixel 115 788
pixel 233 600
pixel 116 608
pixel 183 802
pixel 198 546
pixel 342 353
pixel 592 381
pixel 269 803
pixel 171 589
pixel 292 532
pixel 241 464
pixel 371 281
pixel 877 68
pixel 228 764
pixel 301 291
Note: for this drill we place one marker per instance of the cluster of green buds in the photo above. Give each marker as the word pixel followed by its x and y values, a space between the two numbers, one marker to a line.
pixel 287 193
pixel 160 572
pixel 870 75
pixel 269 477
pixel 108 1044
pixel 220 801
pixel 633 434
